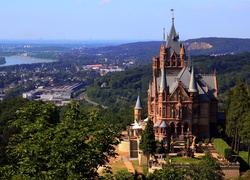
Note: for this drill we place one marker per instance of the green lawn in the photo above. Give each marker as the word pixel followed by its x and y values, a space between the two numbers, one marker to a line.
pixel 135 164
pixel 118 165
pixel 140 169
pixel 186 160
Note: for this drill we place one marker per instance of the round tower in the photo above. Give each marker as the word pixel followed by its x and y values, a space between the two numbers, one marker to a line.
pixel 138 111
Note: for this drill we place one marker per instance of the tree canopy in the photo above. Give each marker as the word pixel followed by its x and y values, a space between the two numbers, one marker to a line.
pixel 45 147
pixel 238 114
pixel 207 169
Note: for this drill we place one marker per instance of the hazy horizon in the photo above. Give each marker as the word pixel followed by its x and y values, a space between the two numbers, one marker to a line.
pixel 85 41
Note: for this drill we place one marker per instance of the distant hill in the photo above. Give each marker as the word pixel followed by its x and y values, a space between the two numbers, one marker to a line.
pixel 205 46
pixel 217 46
pixel 143 52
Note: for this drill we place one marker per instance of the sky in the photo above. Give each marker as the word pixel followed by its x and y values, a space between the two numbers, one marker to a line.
pixel 122 19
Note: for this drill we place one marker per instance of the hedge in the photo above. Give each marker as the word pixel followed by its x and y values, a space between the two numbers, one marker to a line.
pixel 223 148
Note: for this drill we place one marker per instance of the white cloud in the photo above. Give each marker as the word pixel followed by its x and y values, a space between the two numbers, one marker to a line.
pixel 103 2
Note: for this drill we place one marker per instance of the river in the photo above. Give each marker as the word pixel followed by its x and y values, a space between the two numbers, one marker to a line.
pixel 14 60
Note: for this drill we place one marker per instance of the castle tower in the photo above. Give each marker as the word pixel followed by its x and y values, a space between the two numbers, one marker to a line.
pixel 138 111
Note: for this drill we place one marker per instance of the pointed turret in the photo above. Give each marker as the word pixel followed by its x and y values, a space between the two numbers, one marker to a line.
pixel 192 84
pixel 163 84
pixel 138 103
pixel 163 51
pixel 183 55
pixel 189 64
pixel 182 52
pixel 138 109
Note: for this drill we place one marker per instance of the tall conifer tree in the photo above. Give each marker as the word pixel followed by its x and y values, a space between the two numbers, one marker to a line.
pixel 147 142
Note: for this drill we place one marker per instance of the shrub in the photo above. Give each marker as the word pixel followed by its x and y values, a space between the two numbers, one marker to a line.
pixel 206 141
pixel 212 140
pixel 200 143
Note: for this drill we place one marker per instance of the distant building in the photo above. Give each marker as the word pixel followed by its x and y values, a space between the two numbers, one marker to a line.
pixel 59 95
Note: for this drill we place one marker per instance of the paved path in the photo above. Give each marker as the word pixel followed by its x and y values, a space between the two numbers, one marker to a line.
pixel 128 165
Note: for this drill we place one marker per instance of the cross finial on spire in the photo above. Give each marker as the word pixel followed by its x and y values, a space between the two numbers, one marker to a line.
pixel 172 10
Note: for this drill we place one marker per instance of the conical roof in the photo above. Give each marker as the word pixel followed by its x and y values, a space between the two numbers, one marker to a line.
pixel 192 85
pixel 138 103
pixel 156 124
pixel 163 124
pixel 163 84
pixel 182 49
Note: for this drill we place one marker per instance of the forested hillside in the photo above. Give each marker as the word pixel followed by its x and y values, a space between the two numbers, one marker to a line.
pixel 121 89
pixel 229 68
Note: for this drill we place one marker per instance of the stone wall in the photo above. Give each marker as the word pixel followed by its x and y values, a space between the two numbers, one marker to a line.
pixel 124 146
pixel 231 171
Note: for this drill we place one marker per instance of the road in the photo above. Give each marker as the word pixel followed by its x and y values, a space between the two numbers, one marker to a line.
pixel 85 97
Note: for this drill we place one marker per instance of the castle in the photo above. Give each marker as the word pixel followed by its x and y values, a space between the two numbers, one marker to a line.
pixel 181 102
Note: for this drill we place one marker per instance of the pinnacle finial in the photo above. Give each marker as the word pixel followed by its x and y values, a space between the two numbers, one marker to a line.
pixel 172 10
pixel 164 38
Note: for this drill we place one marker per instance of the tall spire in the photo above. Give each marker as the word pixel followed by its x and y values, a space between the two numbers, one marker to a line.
pixel 192 84
pixel 138 103
pixel 163 84
pixel 173 38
